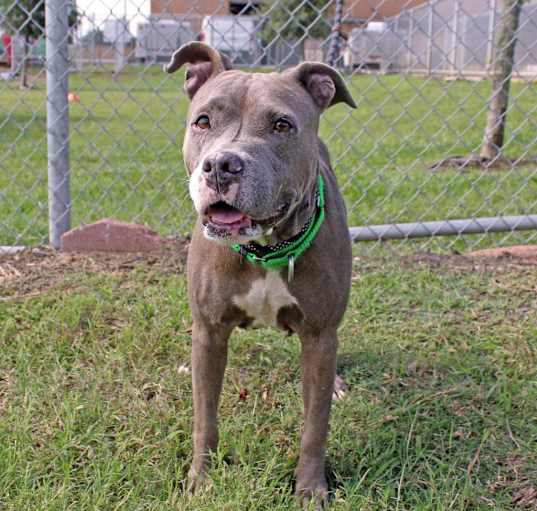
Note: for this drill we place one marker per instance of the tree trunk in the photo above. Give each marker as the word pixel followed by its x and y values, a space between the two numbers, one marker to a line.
pixel 24 64
pixel 502 68
pixel 333 52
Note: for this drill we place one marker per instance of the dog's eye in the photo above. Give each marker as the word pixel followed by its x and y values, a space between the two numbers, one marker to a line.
pixel 282 126
pixel 202 122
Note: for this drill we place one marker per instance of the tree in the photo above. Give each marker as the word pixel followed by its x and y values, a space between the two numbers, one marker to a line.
pixel 333 52
pixel 26 18
pixel 502 68
pixel 296 19
pixel 501 79
pixel 95 35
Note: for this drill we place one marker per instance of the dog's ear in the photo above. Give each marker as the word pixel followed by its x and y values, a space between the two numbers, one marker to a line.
pixel 324 83
pixel 204 62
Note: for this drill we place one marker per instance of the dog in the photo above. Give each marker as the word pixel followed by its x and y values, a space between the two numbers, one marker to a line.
pixel 271 244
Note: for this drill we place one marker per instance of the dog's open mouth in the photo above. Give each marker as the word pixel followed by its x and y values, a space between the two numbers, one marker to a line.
pixel 221 220
pixel 227 219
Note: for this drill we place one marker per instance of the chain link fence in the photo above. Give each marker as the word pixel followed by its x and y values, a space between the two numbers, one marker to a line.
pixel 91 104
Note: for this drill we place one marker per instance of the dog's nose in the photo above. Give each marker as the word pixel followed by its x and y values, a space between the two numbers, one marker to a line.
pixel 223 163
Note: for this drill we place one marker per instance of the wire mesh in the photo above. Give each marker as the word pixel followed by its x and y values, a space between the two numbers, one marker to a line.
pixel 420 72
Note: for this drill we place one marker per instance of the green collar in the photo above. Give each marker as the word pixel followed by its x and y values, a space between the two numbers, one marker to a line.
pixel 286 252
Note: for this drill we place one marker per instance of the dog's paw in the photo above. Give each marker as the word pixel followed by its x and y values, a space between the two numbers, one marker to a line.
pixel 311 488
pixel 183 369
pixel 313 495
pixel 340 389
pixel 196 482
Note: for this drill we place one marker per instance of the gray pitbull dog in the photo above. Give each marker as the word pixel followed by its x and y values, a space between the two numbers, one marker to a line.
pixel 271 244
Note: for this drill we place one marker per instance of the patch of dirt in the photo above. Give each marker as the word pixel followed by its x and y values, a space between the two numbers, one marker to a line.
pixel 34 271
pixel 519 256
pixel 526 497
pixel 472 161
pixel 517 252
pixel 517 475
pixel 438 260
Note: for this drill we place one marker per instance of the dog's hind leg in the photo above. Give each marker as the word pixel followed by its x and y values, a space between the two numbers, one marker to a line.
pixel 341 389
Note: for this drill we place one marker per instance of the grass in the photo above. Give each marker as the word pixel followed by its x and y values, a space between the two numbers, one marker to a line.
pixel 96 414
pixel 126 161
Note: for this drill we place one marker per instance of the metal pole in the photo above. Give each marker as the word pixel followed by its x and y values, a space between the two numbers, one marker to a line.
pixel 462 47
pixel 430 38
pixel 410 59
pixel 119 46
pixel 454 37
pixel 14 65
pixel 59 198
pixel 489 65
pixel 443 228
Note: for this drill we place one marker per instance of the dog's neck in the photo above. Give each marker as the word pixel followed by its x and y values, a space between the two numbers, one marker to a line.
pixel 298 216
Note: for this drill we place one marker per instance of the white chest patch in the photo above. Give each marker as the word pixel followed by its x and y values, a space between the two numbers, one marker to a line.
pixel 264 299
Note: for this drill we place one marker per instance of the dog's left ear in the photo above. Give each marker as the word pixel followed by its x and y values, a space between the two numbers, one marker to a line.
pixel 324 83
pixel 203 63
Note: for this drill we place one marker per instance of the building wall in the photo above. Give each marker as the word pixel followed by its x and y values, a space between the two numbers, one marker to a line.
pixel 355 10
pixel 101 53
pixel 359 9
pixel 192 11
pixel 202 7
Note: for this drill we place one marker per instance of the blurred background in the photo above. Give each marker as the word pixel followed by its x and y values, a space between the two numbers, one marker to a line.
pixel 443 142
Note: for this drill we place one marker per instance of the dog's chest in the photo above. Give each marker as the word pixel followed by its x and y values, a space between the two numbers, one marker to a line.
pixel 264 299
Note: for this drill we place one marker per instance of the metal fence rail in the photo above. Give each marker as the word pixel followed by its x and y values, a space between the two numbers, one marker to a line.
pixel 98 112
pixel 444 228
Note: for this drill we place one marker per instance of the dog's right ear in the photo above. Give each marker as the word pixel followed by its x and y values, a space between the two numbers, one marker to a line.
pixel 204 62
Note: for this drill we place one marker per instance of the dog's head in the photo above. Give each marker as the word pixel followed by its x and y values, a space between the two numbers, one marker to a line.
pixel 251 145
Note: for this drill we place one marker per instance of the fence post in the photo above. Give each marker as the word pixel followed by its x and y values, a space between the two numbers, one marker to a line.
pixel 410 58
pixel 489 64
pixel 57 61
pixel 454 38
pixel 430 36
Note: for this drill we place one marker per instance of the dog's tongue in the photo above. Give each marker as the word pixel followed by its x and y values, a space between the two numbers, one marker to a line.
pixel 230 219
pixel 226 216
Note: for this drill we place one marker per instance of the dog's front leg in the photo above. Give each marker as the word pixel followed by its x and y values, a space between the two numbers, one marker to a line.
pixel 318 360
pixel 209 357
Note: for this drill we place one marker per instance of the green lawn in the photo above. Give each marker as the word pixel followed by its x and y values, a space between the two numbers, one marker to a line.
pixel 96 414
pixel 126 153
